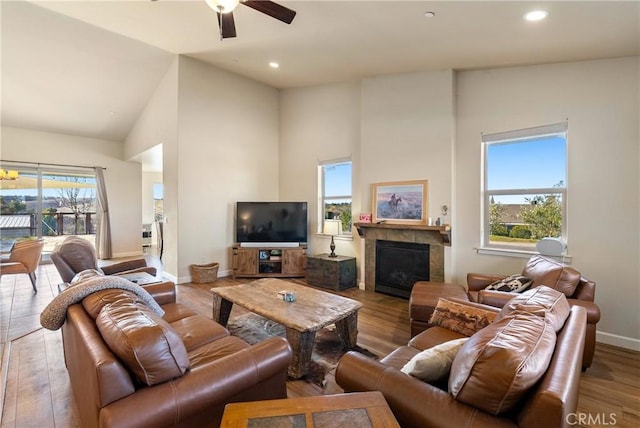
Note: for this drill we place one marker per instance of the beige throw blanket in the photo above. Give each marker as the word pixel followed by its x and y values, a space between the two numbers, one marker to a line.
pixel 53 316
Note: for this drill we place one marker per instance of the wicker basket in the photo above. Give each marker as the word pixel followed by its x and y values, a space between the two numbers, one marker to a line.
pixel 204 274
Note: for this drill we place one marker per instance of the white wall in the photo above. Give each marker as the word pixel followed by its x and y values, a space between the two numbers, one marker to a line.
pixel 601 101
pixel 123 179
pixel 227 151
pixel 158 124
pixel 318 123
pixel 427 126
pixel 408 127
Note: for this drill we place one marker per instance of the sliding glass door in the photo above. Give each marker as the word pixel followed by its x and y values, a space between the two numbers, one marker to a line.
pixel 46 202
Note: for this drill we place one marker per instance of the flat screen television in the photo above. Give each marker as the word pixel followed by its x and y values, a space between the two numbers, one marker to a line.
pixel 271 222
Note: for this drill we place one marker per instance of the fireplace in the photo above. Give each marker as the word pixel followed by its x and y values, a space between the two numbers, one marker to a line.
pixel 435 239
pixel 399 265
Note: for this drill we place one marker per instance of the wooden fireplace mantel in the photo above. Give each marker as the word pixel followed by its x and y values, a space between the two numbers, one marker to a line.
pixel 442 233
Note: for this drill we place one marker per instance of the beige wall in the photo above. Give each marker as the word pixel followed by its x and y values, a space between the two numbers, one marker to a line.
pixel 123 179
pixel 227 151
pixel 318 123
pixel 158 124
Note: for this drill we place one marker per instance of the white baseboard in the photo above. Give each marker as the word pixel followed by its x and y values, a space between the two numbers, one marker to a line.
pixel 129 254
pixel 620 341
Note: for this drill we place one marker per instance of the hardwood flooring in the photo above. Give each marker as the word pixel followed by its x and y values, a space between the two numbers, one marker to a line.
pixel 35 390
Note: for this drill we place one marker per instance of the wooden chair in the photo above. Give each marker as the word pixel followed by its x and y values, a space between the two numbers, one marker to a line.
pixel 24 258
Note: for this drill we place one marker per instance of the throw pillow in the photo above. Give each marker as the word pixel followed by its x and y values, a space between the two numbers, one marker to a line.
pixel 461 318
pixel 511 284
pixel 434 363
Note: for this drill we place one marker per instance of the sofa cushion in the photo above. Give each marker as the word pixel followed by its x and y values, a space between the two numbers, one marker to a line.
pixel 495 368
pixel 542 301
pixel 544 271
pixel 434 363
pixel 143 341
pixel 461 317
pixel 512 284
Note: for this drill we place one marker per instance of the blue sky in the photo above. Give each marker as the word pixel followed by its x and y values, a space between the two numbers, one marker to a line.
pixel 526 165
pixel 338 179
pixel 538 163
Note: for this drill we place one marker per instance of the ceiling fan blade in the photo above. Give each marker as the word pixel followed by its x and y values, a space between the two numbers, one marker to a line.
pixel 272 9
pixel 227 25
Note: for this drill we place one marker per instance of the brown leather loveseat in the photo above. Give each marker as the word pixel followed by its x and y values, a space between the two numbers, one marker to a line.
pixel 131 367
pixel 579 290
pixel 523 369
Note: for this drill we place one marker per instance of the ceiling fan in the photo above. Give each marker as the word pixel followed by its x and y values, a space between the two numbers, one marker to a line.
pixel 224 9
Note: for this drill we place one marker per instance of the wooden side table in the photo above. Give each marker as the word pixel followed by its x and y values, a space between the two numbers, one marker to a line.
pixel 336 273
pixel 358 409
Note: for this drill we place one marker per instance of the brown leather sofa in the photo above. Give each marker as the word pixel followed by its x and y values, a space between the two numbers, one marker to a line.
pixel 74 255
pixel 479 385
pixel 129 367
pixel 579 290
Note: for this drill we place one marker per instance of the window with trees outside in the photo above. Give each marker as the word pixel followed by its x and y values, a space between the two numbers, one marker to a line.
pixel 524 187
pixel 335 192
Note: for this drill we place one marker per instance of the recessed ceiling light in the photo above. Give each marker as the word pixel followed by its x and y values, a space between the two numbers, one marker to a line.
pixel 429 14
pixel 274 64
pixel 536 15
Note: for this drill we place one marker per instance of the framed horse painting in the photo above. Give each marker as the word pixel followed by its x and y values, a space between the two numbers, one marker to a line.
pixel 402 202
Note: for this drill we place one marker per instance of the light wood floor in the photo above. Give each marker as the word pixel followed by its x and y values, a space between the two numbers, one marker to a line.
pixel 35 391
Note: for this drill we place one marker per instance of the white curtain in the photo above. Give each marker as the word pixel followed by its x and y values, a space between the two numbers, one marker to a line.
pixel 103 231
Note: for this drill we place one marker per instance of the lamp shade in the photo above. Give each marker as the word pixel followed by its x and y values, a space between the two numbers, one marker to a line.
pixel 332 227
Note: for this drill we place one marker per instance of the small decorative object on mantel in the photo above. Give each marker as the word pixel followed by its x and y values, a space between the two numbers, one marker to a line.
pixel 364 218
pixel 444 209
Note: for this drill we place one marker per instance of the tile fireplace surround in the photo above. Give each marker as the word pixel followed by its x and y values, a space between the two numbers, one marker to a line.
pixel 436 236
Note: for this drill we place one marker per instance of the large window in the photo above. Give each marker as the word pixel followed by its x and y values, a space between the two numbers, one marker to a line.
pixel 524 186
pixel 335 192
pixel 47 202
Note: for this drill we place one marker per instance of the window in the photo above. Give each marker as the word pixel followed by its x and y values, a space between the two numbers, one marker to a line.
pixel 335 192
pixel 524 187
pixel 158 202
pixel 49 203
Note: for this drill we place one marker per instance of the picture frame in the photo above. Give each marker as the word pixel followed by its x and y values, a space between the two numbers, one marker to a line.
pixel 400 202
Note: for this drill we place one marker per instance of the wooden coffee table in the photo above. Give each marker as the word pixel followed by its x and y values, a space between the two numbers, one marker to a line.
pixel 311 310
pixel 357 410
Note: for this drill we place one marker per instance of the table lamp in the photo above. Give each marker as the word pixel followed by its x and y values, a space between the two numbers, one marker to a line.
pixel 332 227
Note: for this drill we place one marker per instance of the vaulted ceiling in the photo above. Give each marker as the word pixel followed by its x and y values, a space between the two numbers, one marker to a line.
pixel 89 67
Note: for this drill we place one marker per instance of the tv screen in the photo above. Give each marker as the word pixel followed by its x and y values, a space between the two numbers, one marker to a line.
pixel 271 222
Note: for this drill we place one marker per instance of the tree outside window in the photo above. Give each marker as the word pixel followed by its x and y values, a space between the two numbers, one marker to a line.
pixel 335 192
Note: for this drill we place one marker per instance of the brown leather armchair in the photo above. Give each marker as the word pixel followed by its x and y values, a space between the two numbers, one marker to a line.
pixel 24 258
pixel 73 255
pixel 580 291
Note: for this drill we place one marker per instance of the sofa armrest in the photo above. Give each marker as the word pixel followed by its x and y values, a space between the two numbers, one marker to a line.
pixel 593 311
pixel 414 403
pixel 478 281
pixel 494 297
pixel 163 292
pixel 129 266
pixel 201 388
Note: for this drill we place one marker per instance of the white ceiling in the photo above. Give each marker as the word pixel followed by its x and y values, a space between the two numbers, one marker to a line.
pixel 87 67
